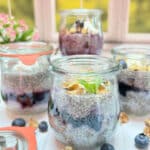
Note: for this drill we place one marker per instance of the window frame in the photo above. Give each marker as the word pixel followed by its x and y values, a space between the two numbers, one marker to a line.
pixel 118 22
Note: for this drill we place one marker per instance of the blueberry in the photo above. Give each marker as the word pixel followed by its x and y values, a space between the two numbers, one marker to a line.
pixel 74 122
pixel 4 96
pixel 19 122
pixel 77 22
pixel 94 121
pixel 107 146
pixel 141 141
pixel 81 24
pixel 65 116
pixel 39 96
pixel 43 126
pixel 123 64
pixel 77 122
pixel 55 111
pixel 24 100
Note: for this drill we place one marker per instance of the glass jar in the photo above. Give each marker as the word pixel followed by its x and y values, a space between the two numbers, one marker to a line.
pixel 12 141
pixel 25 78
pixel 84 108
pixel 80 32
pixel 134 78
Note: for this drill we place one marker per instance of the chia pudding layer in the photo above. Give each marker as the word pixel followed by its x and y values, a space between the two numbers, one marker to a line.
pixel 26 92
pixel 134 89
pixel 83 121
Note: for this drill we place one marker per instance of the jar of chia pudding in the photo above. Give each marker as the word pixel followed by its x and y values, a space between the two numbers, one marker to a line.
pixel 25 76
pixel 84 108
pixel 134 78
pixel 80 32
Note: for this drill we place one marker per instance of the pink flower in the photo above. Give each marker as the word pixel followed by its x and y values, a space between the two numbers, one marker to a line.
pixel 12 30
pixel 23 25
pixel 11 33
pixel 35 36
pixel 4 18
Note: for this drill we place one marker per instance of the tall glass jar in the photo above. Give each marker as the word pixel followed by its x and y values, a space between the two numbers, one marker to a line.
pixel 84 108
pixel 80 32
pixel 134 78
pixel 25 79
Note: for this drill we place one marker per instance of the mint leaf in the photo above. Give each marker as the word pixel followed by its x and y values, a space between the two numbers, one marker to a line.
pixel 85 84
pixel 91 86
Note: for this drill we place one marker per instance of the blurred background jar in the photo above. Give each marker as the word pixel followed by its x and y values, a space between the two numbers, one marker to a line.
pixel 25 76
pixel 80 32
pixel 134 78
pixel 84 106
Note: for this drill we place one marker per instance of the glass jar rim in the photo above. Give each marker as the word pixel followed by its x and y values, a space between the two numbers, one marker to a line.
pixel 25 48
pixel 27 52
pixel 81 12
pixel 132 51
pixel 58 64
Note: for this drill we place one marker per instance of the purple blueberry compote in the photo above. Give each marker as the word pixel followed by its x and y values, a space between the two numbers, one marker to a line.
pixel 78 43
pixel 26 100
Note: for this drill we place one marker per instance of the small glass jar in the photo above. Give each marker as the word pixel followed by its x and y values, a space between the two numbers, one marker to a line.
pixel 25 79
pixel 80 32
pixel 84 108
pixel 10 140
pixel 134 78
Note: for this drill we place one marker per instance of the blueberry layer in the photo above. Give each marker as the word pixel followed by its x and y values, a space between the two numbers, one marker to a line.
pixel 92 120
pixel 124 88
pixel 27 99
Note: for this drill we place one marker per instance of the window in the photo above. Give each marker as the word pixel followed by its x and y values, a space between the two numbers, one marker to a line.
pixel 20 9
pixel 89 4
pixel 122 20
pixel 139 16
pixel 115 25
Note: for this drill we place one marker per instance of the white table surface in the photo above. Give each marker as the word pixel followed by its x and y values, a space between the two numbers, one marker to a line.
pixel 123 138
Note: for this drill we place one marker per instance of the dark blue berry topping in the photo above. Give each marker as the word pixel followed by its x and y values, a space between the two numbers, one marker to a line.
pixel 141 141
pixel 19 122
pixel 43 126
pixel 123 64
pixel 107 146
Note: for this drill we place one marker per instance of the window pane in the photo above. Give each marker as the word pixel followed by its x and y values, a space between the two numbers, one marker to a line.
pixel 90 4
pixel 139 16
pixel 21 9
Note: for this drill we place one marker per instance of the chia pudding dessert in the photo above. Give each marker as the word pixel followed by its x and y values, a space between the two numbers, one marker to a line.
pixel 82 36
pixel 26 91
pixel 25 78
pixel 134 79
pixel 83 111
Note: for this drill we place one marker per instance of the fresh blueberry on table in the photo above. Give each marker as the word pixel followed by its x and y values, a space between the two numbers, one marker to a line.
pixel 141 141
pixel 43 126
pixel 19 122
pixel 107 146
